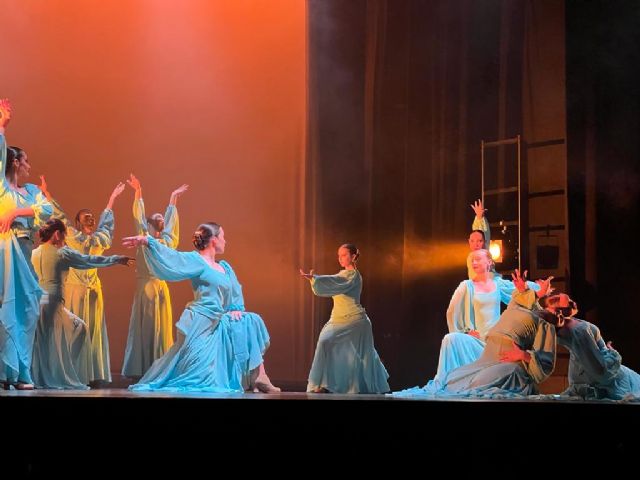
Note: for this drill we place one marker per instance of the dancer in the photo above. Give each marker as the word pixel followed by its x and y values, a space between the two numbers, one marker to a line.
pixel 19 290
pixel 150 326
pixel 83 290
pixel 345 360
pixel 219 346
pixel 62 351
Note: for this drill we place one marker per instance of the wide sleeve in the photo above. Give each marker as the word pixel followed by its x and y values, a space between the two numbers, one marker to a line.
pixel 482 224
pixel 103 236
pixel 330 285
pixel 171 233
pixel 457 313
pixel 80 261
pixel 543 352
pixel 139 217
pixel 507 289
pixel 237 299
pixel 41 206
pixel 168 264
pixel 599 362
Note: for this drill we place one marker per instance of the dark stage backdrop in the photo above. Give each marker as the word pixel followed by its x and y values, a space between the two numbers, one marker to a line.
pixel 603 106
pixel 400 95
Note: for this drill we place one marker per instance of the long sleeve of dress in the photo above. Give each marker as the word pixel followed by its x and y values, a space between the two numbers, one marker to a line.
pixel 543 352
pixel 103 236
pixel 237 299
pixel 331 285
pixel 42 207
pixel 171 232
pixel 81 261
pixel 483 225
pixel 139 217
pixel 457 318
pixel 168 264
pixel 507 288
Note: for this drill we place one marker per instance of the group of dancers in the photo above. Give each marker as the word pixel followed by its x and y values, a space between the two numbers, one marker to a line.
pixel 53 332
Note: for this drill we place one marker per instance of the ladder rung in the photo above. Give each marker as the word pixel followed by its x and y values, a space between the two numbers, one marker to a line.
pixel 498 191
pixel 497 143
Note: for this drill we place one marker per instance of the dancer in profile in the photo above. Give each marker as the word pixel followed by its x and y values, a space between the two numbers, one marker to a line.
pixel 219 346
pixel 19 290
pixel 62 349
pixel 345 360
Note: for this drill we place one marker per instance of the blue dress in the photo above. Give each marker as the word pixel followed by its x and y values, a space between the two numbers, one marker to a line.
pixel 151 322
pixel 213 352
pixel 62 350
pixel 595 371
pixel 488 376
pixel 345 360
pixel 470 310
pixel 19 293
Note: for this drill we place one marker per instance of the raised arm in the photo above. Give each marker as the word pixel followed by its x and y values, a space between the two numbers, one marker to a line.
pixel 171 232
pixel 139 215
pixel 480 222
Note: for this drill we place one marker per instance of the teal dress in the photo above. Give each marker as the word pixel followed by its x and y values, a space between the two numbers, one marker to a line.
pixel 151 322
pixel 19 293
pixel 62 350
pixel 345 359
pixel 212 352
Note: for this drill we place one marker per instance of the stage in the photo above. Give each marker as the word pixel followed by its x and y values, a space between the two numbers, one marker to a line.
pixel 97 430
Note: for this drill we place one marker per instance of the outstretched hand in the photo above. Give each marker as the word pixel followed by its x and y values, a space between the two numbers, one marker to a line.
pixel 545 286
pixel 308 276
pixel 127 261
pixel 177 192
pixel 519 281
pixel 5 112
pixel 44 188
pixel 132 242
pixel 134 182
pixel 478 207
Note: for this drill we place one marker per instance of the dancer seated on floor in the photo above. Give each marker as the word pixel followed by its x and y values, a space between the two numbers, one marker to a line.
pixel 595 368
pixel 219 346
pixel 345 360
pixel 473 310
pixel 519 354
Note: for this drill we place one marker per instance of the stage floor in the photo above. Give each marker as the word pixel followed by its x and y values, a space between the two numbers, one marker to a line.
pixel 94 431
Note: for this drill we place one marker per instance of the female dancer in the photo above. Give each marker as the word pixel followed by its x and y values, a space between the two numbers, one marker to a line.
pixel 345 360
pixel 220 346
pixel 150 326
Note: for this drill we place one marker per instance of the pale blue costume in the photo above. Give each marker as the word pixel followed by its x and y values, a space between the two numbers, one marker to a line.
pixel 19 291
pixel 212 353
pixel 151 324
pixel 25 228
pixel 595 371
pixel 83 289
pixel 62 351
pixel 488 376
pixel 470 310
pixel 345 360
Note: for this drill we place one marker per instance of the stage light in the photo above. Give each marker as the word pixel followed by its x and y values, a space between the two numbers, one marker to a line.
pixel 495 248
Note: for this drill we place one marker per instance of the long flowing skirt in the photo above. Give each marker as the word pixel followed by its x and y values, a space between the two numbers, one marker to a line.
pixel 62 350
pixel 209 355
pixel 346 361
pixel 150 327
